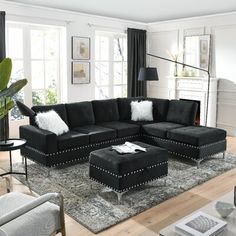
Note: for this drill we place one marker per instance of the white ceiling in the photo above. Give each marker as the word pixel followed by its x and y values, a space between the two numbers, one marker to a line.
pixel 140 10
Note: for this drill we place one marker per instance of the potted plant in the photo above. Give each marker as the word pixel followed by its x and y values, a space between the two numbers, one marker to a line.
pixel 6 94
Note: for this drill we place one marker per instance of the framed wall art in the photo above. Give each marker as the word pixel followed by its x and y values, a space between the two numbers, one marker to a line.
pixel 80 48
pixel 80 72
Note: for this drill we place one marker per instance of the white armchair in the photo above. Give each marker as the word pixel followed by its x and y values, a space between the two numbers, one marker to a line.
pixel 24 215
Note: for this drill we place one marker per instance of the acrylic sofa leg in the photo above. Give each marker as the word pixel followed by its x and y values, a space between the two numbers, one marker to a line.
pixel 119 196
pixel 198 162
pixel 49 172
pixel 224 155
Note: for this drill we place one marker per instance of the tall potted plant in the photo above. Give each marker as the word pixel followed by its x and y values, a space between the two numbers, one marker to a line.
pixel 6 94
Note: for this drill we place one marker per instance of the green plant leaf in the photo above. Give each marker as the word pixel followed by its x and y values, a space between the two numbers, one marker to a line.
pixel 5 73
pixel 13 89
pixel 9 106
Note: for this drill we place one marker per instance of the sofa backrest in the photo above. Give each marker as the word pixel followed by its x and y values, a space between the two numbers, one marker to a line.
pixel 160 108
pixel 59 108
pixel 105 110
pixel 80 113
pixel 125 107
pixel 182 112
pixel 98 111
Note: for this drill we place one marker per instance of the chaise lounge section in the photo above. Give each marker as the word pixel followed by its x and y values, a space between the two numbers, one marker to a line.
pixel 102 123
pixel 181 137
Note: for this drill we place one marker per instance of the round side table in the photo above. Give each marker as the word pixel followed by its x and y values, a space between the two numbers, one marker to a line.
pixel 17 144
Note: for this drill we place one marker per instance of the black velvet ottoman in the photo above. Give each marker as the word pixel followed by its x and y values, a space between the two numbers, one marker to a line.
pixel 197 142
pixel 122 172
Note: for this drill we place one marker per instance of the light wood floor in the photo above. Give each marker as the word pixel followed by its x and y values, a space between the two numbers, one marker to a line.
pixel 151 221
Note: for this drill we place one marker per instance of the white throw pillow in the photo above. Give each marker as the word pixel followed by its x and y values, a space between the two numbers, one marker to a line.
pixel 51 121
pixel 141 111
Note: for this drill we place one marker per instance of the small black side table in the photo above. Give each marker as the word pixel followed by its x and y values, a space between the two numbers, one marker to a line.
pixel 18 144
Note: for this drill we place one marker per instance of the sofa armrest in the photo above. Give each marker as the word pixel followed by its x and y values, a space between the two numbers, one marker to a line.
pixel 42 140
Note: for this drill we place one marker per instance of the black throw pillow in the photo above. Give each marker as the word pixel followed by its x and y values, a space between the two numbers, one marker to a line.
pixel 25 111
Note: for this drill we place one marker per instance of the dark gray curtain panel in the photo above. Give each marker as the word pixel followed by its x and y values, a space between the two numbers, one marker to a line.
pixel 2 35
pixel 136 59
pixel 4 127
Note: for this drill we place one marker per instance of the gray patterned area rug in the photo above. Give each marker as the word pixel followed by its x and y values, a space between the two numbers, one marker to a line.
pixel 97 208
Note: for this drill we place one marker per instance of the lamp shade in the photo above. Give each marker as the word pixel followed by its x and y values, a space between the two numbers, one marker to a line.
pixel 149 73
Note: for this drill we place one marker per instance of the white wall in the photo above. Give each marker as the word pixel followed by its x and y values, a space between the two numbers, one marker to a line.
pixel 76 25
pixel 168 35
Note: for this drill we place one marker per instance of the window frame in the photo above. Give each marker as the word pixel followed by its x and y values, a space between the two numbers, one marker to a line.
pixel 111 62
pixel 27 57
pixel 26 44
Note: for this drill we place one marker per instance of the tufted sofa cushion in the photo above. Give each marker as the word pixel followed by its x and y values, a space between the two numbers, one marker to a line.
pixel 72 139
pixel 60 109
pixel 182 112
pixel 80 113
pixel 160 108
pixel 197 135
pixel 105 110
pixel 123 129
pixel 125 108
pixel 97 133
pixel 159 129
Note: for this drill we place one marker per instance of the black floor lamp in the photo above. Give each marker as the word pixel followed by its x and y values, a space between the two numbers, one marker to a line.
pixel 150 73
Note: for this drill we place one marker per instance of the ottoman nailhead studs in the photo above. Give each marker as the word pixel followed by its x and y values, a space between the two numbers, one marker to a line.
pixel 129 188
pixel 129 173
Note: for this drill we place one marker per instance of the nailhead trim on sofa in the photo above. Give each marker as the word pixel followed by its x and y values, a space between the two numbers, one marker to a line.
pixel 26 149
pixel 183 144
pixel 189 151
pixel 81 158
pixel 59 164
pixel 129 173
pixel 131 187
pixel 82 147
pixel 188 157
pixel 109 141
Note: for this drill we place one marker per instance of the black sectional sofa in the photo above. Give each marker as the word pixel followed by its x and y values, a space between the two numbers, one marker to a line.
pixel 101 123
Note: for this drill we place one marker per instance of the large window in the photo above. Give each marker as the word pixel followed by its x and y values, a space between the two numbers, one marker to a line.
pixel 15 52
pixel 110 65
pixel 45 66
pixel 35 52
